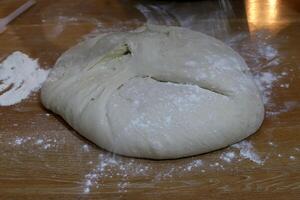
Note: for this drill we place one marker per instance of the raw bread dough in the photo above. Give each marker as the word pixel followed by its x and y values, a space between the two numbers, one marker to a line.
pixel 158 92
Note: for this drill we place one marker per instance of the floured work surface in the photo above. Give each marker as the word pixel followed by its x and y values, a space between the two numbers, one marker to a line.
pixel 42 157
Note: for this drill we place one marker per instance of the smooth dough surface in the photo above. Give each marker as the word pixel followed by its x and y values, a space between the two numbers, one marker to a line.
pixel 157 92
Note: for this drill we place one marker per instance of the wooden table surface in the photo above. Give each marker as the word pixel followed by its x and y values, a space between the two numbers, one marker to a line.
pixel 41 157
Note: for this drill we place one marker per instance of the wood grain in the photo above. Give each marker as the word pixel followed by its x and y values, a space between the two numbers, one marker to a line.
pixel 33 171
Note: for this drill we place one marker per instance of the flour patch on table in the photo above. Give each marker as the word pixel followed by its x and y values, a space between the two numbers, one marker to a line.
pixel 109 166
pixel 228 156
pixel 247 152
pixel 286 107
pixel 263 57
pixel 85 148
pixel 19 77
pixel 292 157
pixel 264 82
pixel 112 166
pixel 41 142
pixel 56 31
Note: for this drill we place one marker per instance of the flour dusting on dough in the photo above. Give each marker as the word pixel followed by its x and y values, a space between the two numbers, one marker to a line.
pixel 261 55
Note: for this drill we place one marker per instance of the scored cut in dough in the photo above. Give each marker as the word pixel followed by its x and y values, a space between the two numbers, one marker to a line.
pixel 157 92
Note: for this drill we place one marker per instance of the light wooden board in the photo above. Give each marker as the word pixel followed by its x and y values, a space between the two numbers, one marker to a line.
pixel 57 168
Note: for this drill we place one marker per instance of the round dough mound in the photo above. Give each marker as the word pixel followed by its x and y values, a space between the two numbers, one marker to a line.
pixel 157 92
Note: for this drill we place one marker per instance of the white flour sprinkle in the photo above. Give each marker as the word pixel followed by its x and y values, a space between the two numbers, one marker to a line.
pixel 56 31
pixel 262 57
pixel 111 166
pixel 85 148
pixel 193 164
pixel 247 151
pixel 87 189
pixel 272 144
pixel 228 156
pixel 267 51
pixel 20 140
pixel 287 106
pixel 286 85
pixel 41 143
pixel 264 82
pixel 19 77
pixel 47 146
pixel 292 158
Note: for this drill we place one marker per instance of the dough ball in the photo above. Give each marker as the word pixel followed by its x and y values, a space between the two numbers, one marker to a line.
pixel 157 92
